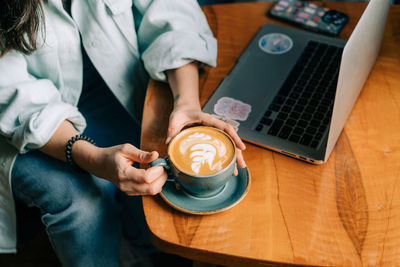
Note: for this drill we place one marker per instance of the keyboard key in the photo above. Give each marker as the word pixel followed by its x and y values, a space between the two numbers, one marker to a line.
pixel 311 130
pixel 291 122
pixel 317 96
pixel 285 90
pixel 274 107
pixel 298 89
pixel 306 95
pixel 282 116
pixel 313 102
pixel 294 95
pixel 306 116
pixel 286 108
pixel 302 123
pixel 259 127
pixel 313 82
pixel 294 138
pixel 321 89
pixel 294 115
pixel 302 101
pixel 306 139
pixel 299 108
pixel 298 131
pixel 279 99
pixel 322 128
pixel 285 132
pixel 268 113
pixel 276 126
pixel 319 116
pixel 326 102
pixel 314 123
pixel 305 76
pixel 322 108
pixel 266 121
pixel 310 109
pixel 301 83
pixel 314 144
pixel 290 102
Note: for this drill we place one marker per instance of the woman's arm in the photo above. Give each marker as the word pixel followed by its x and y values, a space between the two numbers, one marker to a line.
pixel 184 83
pixel 111 163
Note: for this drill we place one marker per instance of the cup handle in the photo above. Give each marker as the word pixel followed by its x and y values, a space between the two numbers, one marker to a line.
pixel 164 162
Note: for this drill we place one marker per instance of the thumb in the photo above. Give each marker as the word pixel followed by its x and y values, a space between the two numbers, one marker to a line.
pixel 142 156
pixel 172 131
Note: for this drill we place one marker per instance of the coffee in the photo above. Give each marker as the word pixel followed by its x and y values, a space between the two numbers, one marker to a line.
pixel 201 151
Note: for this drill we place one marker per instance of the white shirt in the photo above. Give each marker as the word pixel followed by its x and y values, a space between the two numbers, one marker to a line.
pixel 39 91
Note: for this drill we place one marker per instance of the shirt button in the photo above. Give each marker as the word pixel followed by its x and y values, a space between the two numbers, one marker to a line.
pixel 95 43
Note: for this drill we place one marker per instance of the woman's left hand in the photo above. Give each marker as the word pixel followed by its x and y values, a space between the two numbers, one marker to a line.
pixel 186 115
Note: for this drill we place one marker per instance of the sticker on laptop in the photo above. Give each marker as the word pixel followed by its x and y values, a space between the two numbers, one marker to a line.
pixel 275 43
pixel 232 109
pixel 232 123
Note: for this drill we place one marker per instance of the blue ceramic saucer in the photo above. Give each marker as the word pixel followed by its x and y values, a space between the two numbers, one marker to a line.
pixel 233 192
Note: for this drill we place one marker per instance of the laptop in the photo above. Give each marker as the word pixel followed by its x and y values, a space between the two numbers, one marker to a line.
pixel 292 91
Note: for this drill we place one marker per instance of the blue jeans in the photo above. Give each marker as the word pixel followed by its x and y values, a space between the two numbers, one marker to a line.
pixel 82 213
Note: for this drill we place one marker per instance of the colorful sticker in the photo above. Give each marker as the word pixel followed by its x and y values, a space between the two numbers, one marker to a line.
pixel 309 10
pixel 232 109
pixel 283 3
pixel 304 15
pixel 279 8
pixel 311 23
pixel 275 43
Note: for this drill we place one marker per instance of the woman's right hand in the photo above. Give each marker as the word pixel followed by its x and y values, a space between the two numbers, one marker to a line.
pixel 115 164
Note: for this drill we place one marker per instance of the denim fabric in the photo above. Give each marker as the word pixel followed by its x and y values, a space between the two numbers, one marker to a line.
pixel 82 213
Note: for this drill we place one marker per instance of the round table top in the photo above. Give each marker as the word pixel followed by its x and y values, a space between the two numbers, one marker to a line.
pixel 345 212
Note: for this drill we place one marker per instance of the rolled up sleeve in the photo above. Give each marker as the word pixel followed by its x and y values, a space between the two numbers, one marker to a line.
pixel 31 109
pixel 173 33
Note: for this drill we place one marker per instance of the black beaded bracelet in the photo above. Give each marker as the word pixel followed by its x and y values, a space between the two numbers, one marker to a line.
pixel 68 147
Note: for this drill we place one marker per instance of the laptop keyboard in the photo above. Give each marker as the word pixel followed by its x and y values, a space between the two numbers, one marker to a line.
pixel 302 110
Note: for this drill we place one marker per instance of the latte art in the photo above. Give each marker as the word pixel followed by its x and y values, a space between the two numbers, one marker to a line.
pixel 204 150
pixel 201 151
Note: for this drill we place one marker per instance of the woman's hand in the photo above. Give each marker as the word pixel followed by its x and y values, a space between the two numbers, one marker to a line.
pixel 115 164
pixel 111 163
pixel 185 115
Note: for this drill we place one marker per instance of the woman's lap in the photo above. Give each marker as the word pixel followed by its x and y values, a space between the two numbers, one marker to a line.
pixel 57 188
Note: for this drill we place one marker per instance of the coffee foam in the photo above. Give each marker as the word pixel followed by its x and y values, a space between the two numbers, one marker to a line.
pixel 201 151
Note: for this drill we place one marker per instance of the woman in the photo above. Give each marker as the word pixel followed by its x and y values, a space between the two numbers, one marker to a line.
pixel 72 68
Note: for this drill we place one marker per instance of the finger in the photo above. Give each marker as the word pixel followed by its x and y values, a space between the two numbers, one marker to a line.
pixel 173 127
pixel 239 159
pixel 146 188
pixel 235 171
pixel 157 185
pixel 138 155
pixel 210 120
pixel 154 173
pixel 172 131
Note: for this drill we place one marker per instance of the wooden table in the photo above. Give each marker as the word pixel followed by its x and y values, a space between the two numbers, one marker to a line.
pixel 345 212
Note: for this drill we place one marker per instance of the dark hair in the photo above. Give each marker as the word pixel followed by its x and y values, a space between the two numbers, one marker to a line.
pixel 19 25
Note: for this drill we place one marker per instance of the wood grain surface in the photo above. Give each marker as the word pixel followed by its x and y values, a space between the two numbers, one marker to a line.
pixel 345 212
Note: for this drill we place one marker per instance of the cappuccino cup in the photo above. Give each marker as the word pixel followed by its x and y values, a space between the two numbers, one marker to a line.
pixel 200 160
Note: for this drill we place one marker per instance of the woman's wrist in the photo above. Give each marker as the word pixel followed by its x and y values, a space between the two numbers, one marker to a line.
pixel 187 103
pixel 85 155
